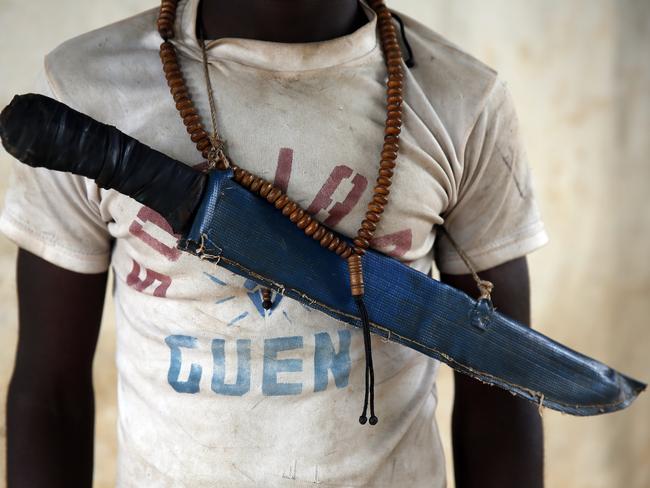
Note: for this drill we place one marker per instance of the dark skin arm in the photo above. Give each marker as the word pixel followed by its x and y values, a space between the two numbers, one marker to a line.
pixel 50 403
pixel 497 438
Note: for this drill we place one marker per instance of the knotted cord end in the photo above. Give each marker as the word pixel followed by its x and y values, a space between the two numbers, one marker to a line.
pixel 485 288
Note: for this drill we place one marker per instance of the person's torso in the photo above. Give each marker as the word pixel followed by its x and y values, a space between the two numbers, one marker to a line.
pixel 213 391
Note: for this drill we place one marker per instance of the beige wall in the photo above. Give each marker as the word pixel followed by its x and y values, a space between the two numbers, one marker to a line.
pixel 580 75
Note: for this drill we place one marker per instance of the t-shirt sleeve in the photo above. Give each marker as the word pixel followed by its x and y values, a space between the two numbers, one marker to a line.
pixel 495 217
pixel 56 215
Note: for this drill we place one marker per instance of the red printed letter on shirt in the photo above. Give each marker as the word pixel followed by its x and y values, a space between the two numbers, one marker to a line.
pixel 150 276
pixel 323 199
pixel 161 228
pixel 395 244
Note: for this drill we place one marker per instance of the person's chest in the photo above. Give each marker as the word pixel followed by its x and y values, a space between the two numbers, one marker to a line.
pixel 317 135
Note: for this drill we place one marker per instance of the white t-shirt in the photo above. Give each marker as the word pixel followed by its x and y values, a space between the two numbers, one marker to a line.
pixel 211 391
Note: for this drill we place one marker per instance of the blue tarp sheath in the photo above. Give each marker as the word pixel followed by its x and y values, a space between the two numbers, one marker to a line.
pixel 242 232
pixel 245 234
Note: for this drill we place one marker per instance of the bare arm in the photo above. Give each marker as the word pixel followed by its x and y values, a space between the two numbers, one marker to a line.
pixel 497 438
pixel 50 403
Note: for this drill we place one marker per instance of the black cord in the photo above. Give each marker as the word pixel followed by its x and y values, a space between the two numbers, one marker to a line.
pixel 369 397
pixel 410 60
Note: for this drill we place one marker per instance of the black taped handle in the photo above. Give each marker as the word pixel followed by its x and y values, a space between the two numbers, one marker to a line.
pixel 42 132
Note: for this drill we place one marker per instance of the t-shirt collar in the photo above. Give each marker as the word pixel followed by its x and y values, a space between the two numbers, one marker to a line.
pixel 279 56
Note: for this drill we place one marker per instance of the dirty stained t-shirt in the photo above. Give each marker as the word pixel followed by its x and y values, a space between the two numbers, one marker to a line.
pixel 211 390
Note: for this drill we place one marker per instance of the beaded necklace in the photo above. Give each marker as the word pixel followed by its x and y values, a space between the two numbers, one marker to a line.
pixel 211 147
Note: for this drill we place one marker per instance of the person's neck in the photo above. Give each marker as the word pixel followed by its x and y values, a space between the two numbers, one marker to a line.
pixel 279 20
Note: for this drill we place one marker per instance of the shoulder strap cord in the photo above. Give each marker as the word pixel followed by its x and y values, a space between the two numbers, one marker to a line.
pixel 484 287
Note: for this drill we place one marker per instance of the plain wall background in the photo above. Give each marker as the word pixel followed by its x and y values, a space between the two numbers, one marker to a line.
pixel 579 72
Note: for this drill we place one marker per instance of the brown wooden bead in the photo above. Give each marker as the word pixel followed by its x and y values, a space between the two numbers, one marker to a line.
pixel 376 207
pixel 394 114
pixel 394 100
pixel 392 45
pixel 289 209
pixel 170 66
pixel 239 174
pixel 334 243
pixel 166 17
pixel 386 173
pixel 356 275
pixel 203 145
pixel 390 146
pixel 194 127
pixel 192 119
pixel 347 253
pixel 281 201
pixel 365 233
pixel 381 190
pixel 256 184
pixel 304 221
pixel 341 247
pixel 361 243
pixel 173 75
pixel 247 180
pixel 391 139
pixel 265 189
pixel 372 217
pixel 178 89
pixel 326 239
pixel 394 92
pixel 176 82
pixel 189 111
pixel 296 215
pixel 183 104
pixel 392 131
pixel 320 232
pixel 168 56
pixel 180 94
pixel 381 199
pixel 273 195
pixel 383 181
pixel 394 122
pixel 198 135
pixel 311 228
pixel 369 225
pixel 389 155
pixel 386 164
